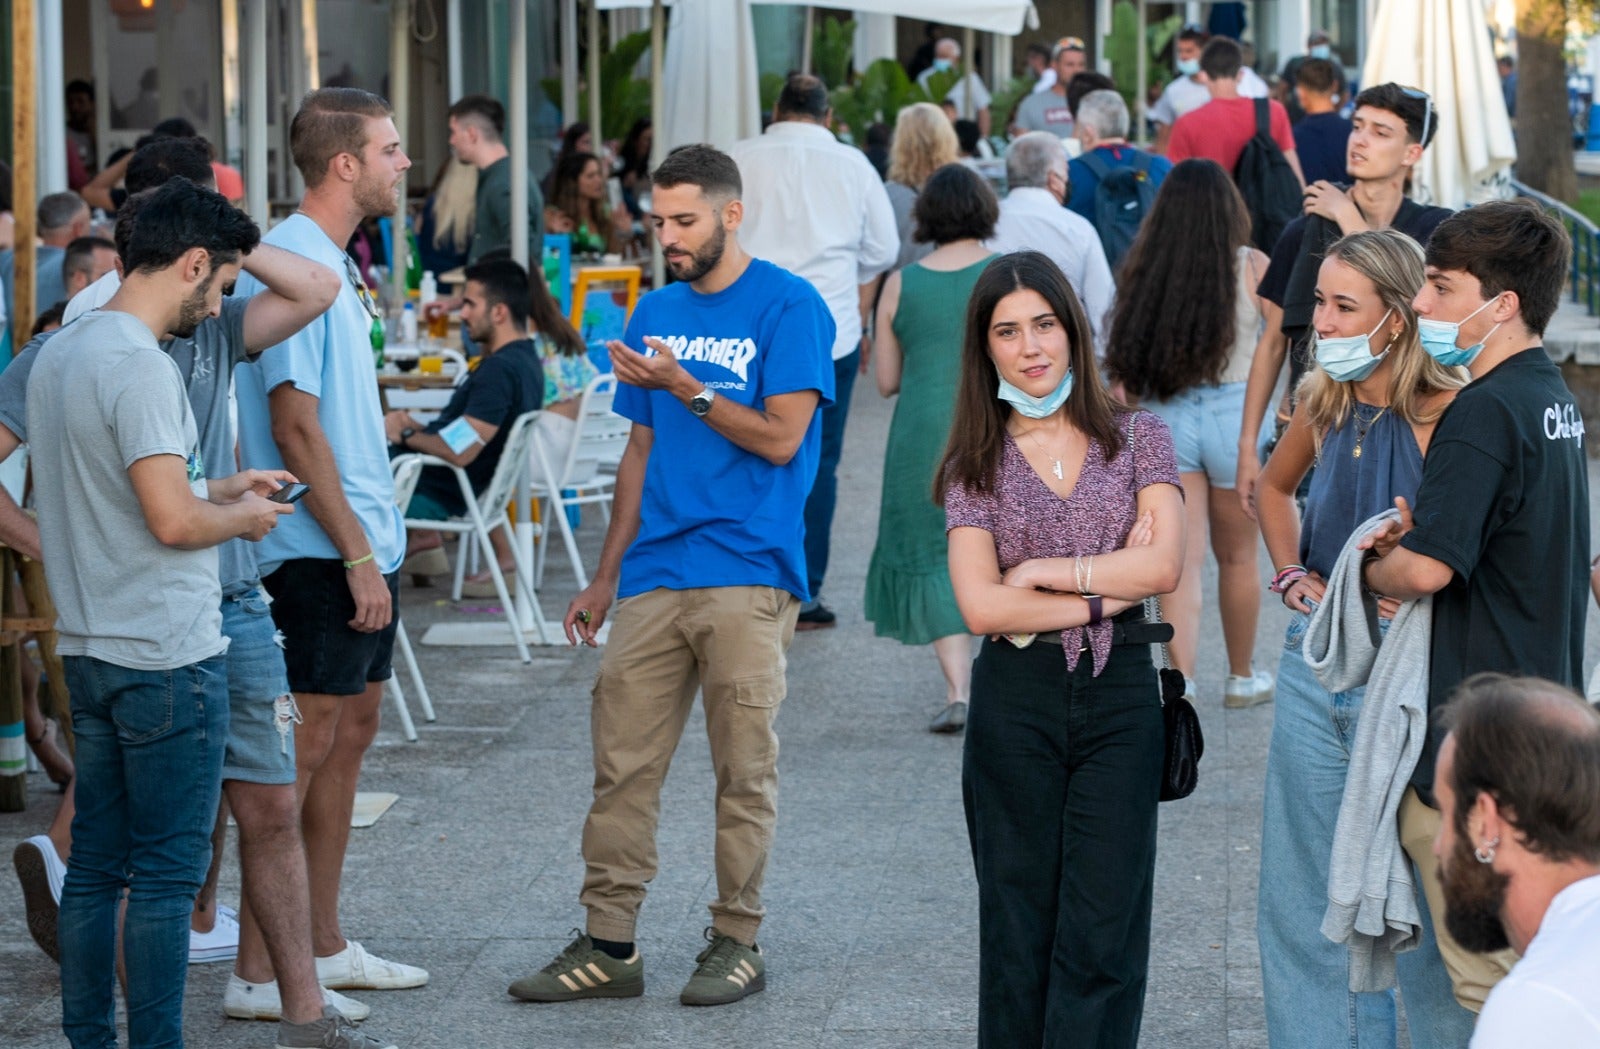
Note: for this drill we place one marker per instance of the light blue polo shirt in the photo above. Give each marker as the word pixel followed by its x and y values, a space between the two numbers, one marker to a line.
pixel 330 358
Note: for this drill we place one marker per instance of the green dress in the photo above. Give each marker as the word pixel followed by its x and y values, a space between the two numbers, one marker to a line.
pixel 909 596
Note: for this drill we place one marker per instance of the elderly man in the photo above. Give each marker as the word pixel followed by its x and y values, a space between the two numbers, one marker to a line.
pixel 87 259
pixel 1032 219
pixel 1519 853
pixel 968 95
pixel 817 209
pixel 1102 129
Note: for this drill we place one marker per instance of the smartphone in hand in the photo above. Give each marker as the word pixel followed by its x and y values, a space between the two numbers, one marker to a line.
pixel 290 493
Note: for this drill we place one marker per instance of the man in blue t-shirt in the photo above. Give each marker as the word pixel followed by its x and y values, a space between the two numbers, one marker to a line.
pixel 706 553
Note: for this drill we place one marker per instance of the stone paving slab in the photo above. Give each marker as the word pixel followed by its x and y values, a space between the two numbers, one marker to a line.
pixel 872 927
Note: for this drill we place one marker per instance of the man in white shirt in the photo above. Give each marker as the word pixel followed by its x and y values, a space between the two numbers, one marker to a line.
pixel 1186 91
pixel 970 97
pixel 817 208
pixel 1519 854
pixel 1032 218
pixel 1039 64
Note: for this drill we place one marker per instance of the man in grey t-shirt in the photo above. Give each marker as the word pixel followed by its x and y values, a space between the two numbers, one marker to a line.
pixel 477 126
pixel 127 523
pixel 259 767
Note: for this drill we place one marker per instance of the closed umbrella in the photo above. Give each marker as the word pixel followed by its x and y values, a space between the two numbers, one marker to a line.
pixel 1443 47
pixel 713 92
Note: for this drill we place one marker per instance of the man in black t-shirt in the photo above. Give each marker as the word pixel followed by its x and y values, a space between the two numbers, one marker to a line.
pixel 471 432
pixel 1391 127
pixel 1500 532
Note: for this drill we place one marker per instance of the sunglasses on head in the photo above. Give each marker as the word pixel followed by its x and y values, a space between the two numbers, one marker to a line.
pixel 1427 117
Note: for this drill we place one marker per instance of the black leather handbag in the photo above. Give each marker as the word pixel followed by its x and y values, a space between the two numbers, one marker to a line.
pixel 1184 742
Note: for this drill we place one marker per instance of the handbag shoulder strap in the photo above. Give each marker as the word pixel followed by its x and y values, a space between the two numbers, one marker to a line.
pixel 1152 604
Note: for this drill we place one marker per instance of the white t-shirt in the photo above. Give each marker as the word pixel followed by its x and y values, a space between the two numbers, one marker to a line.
pixel 980 94
pixel 1186 93
pixel 1549 1000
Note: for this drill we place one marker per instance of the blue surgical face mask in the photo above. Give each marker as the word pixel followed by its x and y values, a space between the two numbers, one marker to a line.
pixel 1036 407
pixel 1349 358
pixel 942 65
pixel 1188 66
pixel 1321 51
pixel 1439 338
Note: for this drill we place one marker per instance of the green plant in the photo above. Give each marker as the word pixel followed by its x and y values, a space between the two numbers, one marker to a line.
pixel 1121 48
pixel 1004 99
pixel 832 45
pixel 624 98
pixel 879 94
pixel 771 88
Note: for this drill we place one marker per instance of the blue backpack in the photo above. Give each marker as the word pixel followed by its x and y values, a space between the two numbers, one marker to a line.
pixel 1123 199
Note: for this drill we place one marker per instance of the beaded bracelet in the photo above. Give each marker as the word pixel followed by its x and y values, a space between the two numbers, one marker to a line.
pixel 1287 576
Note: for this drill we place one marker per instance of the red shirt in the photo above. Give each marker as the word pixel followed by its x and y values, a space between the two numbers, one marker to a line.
pixel 1220 129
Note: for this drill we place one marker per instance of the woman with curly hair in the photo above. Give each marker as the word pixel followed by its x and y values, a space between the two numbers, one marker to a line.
pixel 923 143
pixel 1183 332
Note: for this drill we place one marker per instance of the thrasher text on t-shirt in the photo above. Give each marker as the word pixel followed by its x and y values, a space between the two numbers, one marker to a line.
pixel 733 354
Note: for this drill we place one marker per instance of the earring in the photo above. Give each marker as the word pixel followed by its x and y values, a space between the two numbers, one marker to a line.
pixel 1485 852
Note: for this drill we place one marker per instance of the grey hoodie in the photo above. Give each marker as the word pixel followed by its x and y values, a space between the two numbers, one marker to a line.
pixel 1372 900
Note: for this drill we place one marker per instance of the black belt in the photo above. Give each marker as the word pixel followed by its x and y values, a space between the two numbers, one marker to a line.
pixel 1124 632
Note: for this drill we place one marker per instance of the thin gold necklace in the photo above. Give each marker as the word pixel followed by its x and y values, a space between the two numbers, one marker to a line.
pixel 1055 464
pixel 1361 431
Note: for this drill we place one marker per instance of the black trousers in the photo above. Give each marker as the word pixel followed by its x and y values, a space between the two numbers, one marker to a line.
pixel 1061 776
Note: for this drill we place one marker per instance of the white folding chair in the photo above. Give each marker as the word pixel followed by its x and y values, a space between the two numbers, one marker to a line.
pixel 585 476
pixel 487 512
pixel 405 483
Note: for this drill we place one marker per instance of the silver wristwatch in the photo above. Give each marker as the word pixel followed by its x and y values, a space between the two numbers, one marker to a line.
pixel 700 403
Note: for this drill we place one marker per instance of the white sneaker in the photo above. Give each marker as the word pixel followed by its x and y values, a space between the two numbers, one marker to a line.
pixel 41 873
pixel 354 969
pixel 221 944
pixel 260 1001
pixel 1249 691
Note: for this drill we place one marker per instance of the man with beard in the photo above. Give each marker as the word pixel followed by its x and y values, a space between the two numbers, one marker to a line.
pixel 311 405
pixel 127 523
pixel 471 432
pixel 705 553
pixel 1519 854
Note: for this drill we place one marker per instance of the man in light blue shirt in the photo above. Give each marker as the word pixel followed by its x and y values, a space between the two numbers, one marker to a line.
pixel 311 406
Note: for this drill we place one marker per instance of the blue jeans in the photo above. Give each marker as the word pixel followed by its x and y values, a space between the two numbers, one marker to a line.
pixel 1304 975
pixel 825 491
pixel 150 745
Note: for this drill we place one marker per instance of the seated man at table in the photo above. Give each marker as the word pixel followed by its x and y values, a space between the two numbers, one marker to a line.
pixel 471 432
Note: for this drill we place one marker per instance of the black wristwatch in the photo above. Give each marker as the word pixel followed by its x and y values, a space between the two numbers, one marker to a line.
pixel 406 434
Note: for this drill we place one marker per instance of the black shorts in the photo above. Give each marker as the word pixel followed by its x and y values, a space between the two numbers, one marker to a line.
pixel 311 604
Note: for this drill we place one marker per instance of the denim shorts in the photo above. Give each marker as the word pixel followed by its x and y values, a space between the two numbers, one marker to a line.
pixel 325 656
pixel 1205 423
pixel 261 711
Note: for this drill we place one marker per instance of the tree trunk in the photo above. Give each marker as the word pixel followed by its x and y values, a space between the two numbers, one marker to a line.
pixel 1544 131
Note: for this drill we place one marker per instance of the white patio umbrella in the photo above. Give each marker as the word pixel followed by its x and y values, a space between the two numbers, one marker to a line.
pixel 1442 47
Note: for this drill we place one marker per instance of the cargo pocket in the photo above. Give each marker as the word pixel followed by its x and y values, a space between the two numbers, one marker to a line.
pixel 761 690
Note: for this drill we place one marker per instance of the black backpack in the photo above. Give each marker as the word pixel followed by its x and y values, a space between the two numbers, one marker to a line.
pixel 1267 183
pixel 1124 197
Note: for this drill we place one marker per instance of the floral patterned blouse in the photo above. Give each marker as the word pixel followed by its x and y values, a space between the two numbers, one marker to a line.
pixel 1029 521
pixel 564 376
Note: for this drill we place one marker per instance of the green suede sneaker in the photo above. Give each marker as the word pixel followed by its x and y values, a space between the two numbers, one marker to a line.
pixel 582 971
pixel 728 971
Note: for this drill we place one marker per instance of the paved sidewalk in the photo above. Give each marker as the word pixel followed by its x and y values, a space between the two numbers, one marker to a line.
pixel 871 936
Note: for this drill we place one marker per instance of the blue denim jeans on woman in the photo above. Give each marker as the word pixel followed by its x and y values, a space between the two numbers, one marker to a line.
pixel 149 758
pixel 1304 975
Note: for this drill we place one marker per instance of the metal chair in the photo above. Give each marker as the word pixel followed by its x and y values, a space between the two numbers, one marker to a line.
pixel 405 483
pixel 487 512
pixel 586 475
